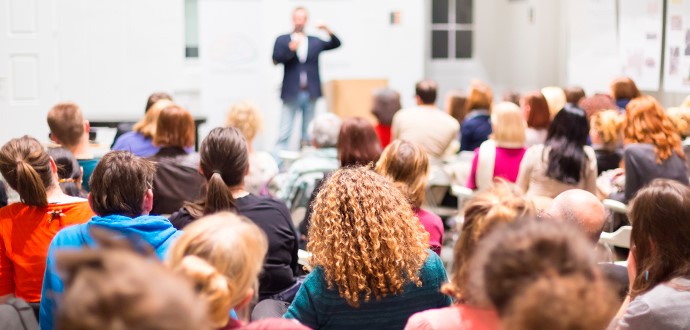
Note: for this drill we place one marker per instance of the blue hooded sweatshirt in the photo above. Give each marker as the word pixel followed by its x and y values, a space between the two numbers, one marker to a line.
pixel 157 231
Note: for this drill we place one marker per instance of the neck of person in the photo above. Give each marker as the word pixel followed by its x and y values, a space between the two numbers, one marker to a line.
pixel 55 195
pixel 238 191
pixel 82 150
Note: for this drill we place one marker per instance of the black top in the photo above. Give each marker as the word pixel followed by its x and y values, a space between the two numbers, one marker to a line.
pixel 641 168
pixel 177 179
pixel 607 159
pixel 273 217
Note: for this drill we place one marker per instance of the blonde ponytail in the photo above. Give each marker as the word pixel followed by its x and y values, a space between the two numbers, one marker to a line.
pixel 212 286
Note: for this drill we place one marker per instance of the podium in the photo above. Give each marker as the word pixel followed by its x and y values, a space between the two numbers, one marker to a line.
pixel 352 97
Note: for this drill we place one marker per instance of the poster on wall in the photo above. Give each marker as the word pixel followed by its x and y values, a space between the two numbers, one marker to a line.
pixel 592 50
pixel 639 43
pixel 677 59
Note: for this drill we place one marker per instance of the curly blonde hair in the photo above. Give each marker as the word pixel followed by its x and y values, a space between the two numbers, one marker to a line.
pixel 245 116
pixel 647 122
pixel 607 124
pixel 365 236
pixel 502 203
pixel 680 118
pixel 408 166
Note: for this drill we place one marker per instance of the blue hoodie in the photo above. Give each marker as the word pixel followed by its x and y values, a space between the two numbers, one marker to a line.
pixel 155 230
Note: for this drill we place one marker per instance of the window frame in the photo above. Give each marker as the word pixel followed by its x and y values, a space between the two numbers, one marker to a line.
pixel 452 27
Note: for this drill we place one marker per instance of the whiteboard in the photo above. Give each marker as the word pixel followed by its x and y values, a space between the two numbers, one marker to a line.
pixel 640 35
pixel 677 54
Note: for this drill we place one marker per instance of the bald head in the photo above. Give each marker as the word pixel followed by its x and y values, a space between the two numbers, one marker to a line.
pixel 582 209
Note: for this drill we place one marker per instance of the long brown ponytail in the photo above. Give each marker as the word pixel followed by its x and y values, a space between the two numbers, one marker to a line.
pixel 26 167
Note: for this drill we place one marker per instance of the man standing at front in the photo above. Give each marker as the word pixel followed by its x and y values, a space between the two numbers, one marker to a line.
pixel 299 55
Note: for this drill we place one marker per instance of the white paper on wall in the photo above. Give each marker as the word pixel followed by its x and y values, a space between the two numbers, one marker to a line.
pixel 640 34
pixel 677 54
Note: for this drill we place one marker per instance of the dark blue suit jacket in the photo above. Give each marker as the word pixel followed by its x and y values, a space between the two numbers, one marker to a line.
pixel 293 67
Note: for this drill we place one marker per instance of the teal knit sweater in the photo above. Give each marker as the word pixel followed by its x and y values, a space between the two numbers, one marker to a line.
pixel 318 307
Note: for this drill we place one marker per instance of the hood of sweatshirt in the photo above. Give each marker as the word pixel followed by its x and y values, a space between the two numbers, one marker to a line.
pixel 156 231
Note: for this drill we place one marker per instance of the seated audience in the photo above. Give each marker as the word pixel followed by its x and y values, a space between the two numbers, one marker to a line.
pixel 652 147
pixel 69 172
pixel 114 288
pixel 455 105
pixel 123 128
pixel 27 227
pixel 224 163
pixel 605 134
pixel 476 127
pixel 373 268
pixel 321 158
pixel 563 162
pixel 246 117
pixel 408 166
pixel 659 261
pixel 426 125
pixel 555 98
pixel 584 211
pixel 500 204
pixel 573 95
pixel 222 254
pixel 680 117
pixel 595 103
pixel 140 140
pixel 386 105
pixel 541 275
pixel 177 176
pixel 500 156
pixel 512 97
pixel 69 129
pixel 538 117
pixel 623 90
pixel 121 198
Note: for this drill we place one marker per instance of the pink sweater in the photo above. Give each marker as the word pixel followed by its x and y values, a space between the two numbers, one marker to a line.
pixel 434 225
pixel 506 165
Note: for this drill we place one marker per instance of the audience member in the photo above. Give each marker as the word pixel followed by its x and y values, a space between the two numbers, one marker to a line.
pixel 538 116
pixel 652 147
pixel 680 117
pixel 69 172
pixel 564 161
pixel 224 163
pixel 386 105
pixel 659 260
pixel 372 265
pixel 605 134
pixel 123 128
pixel 541 275
pixel 246 117
pixel 114 288
pixel 623 90
pixel 140 140
pixel 501 203
pixel 512 97
pixel 595 103
pixel 177 176
pixel 573 95
pixel 27 227
pixel 121 198
pixel 358 143
pixel 223 255
pixel 426 125
pixel 476 126
pixel 69 129
pixel 455 105
pixel 686 102
pixel 500 156
pixel 408 166
pixel 555 98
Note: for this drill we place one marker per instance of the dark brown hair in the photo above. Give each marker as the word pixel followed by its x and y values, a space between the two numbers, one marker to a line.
pixel 119 183
pixel 624 88
pixel 174 128
pixel 574 94
pixel 502 203
pixel 518 254
pixel 66 123
pixel 659 215
pixel 426 91
pixel 114 288
pixel 224 162
pixel 455 105
pixel 155 97
pixel 479 96
pixel 68 170
pixel 26 168
pixel 539 116
pixel 358 143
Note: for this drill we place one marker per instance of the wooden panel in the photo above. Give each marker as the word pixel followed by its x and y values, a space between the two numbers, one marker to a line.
pixel 352 98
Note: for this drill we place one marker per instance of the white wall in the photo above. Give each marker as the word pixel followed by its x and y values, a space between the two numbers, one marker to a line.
pixel 237 42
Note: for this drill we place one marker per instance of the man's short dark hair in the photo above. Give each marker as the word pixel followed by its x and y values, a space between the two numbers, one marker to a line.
pixel 426 91
pixel 119 182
